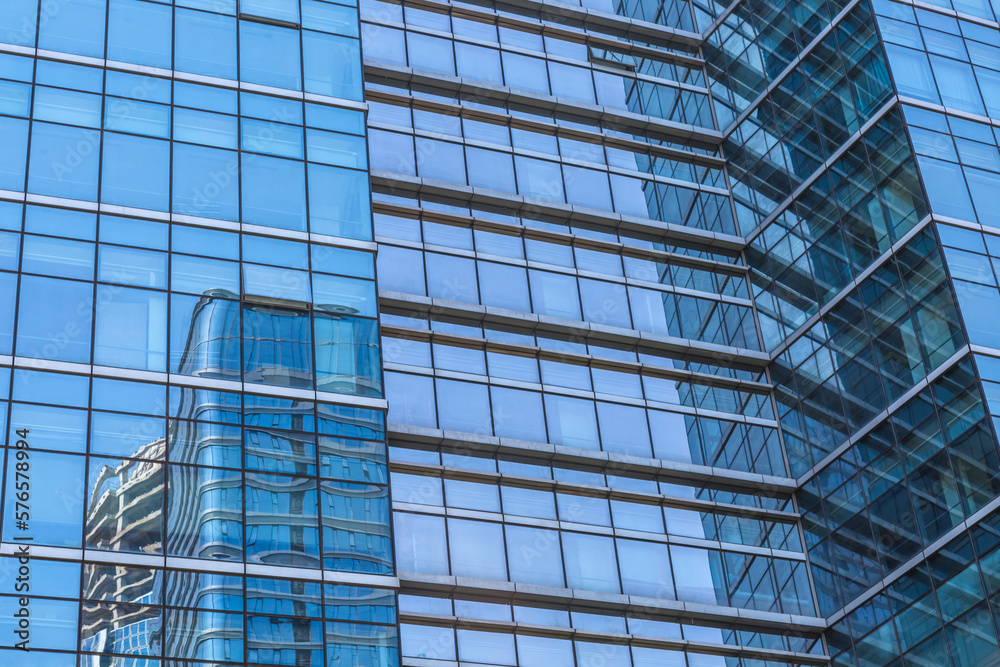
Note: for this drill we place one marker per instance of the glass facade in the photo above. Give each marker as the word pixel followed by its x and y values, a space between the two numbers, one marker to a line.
pixel 533 334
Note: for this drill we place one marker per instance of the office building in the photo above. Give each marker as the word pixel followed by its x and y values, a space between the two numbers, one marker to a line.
pixel 499 333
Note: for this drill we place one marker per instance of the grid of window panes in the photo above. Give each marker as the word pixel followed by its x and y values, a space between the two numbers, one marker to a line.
pixel 199 473
pixel 531 162
pixel 189 293
pixel 470 185
pixel 517 56
pixel 198 618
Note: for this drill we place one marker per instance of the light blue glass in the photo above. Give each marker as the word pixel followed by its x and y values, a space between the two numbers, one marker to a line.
pixel 57 429
pixel 8 285
pixel 479 63
pixel 272 138
pixel 53 626
pixel 13 160
pixel 141 233
pixel 623 429
pixel 66 106
pixel 54 388
pixel 912 73
pixel 66 75
pixel 486 647
pixel 476 549
pixel 544 652
pixel 326 17
pixel 139 32
pixel 137 87
pixel 205 183
pixel 946 188
pixel 421 544
pixel 136 172
pixel 699 581
pixel 131 329
pixel 571 421
pixel 77 27
pixel 463 406
pixel 57 515
pixel 587 558
pixel 330 259
pixel 525 73
pixel 433 54
pixel 339 202
pixel 127 435
pixel 274 192
pixel 15 98
pixel 277 283
pixel 340 150
pixel 280 502
pixel 132 266
pixel 332 118
pixel 58 257
pixel 137 117
pixel 645 569
pixel 332 65
pixel 269 55
pixel 587 187
pixel 127 396
pixel 282 10
pixel 490 169
pixel 411 400
pixel 203 241
pixel 204 43
pixel 54 319
pixel 199 274
pixel 208 98
pixel 18 22
pixel 60 222
pixel 348 295
pixel 539 178
pixel 518 414
pixel 64 161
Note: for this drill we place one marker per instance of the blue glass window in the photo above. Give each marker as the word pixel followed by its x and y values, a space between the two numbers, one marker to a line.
pixel 274 192
pixel 205 43
pixel 332 65
pixel 136 172
pixel 54 319
pixel 139 32
pixel 269 55
pixel 76 27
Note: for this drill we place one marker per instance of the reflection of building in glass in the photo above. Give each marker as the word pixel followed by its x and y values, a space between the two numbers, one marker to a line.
pixel 252 483
pixel 326 347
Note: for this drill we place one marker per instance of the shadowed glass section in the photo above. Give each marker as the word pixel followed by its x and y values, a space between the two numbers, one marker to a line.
pixel 846 218
pixel 867 351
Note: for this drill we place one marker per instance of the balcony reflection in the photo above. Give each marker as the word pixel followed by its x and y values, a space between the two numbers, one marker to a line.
pixel 256 479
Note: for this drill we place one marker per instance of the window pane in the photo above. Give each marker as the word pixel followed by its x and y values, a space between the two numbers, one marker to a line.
pixel 54 319
pixel 588 562
pixel 136 172
pixel 131 329
pixel 269 55
pixel 420 544
pixel 533 554
pixel 476 549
